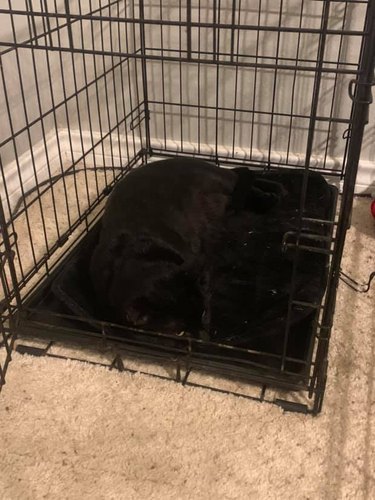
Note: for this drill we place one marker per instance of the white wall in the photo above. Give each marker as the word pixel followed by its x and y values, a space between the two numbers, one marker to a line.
pixel 248 89
pixel 237 88
pixel 37 81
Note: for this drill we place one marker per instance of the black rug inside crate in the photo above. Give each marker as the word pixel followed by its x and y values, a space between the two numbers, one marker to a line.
pixel 252 274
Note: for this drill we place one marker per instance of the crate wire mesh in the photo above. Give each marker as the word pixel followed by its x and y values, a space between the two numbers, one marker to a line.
pixel 91 89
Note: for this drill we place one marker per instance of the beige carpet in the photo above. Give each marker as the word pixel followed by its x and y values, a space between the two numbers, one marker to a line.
pixel 71 430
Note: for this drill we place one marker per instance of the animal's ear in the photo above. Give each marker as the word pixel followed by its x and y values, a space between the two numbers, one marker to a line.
pixel 104 262
pixel 118 245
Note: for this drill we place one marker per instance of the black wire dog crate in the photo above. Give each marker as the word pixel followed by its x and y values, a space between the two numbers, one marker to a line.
pixel 92 89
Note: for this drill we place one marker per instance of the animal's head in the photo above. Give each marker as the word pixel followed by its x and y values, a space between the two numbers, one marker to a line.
pixel 144 283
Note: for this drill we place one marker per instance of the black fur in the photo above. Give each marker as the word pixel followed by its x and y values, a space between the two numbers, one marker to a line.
pixel 150 266
pixel 149 257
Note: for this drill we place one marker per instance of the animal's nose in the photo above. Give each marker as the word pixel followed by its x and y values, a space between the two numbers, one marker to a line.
pixel 135 317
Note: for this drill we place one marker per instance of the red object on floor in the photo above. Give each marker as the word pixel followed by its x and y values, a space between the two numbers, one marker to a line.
pixel 373 208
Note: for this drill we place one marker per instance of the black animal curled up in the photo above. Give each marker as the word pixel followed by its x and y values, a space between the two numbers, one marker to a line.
pixel 161 226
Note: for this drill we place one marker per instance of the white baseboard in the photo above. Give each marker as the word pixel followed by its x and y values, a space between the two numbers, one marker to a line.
pixel 365 183
pixel 113 154
pixel 31 168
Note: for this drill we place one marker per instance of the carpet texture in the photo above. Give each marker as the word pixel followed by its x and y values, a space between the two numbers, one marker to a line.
pixel 73 430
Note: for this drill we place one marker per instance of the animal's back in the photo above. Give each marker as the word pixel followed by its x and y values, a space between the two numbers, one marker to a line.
pixel 176 200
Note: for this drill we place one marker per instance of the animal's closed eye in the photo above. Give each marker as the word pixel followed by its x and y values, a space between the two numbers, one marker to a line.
pixel 156 253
